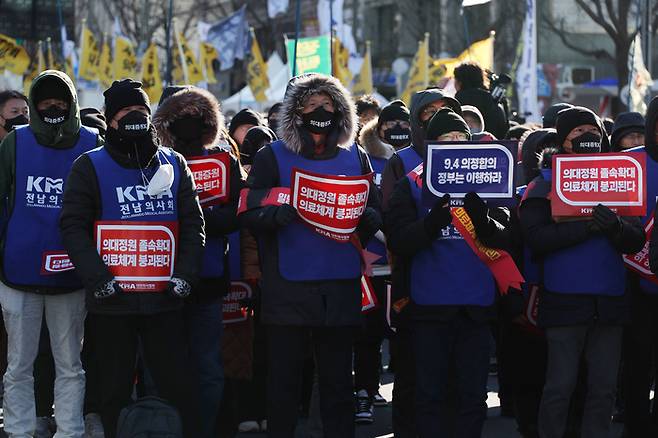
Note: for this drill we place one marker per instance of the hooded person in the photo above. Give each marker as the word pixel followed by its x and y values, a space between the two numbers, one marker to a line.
pixel 36 275
pixel 256 138
pixel 451 294
pixel 93 118
pixel 627 132
pixel 13 111
pixel 129 193
pixel 531 149
pixel 242 122
pixel 549 118
pixel 582 305
pixel 273 117
pixel 190 122
pixel 310 283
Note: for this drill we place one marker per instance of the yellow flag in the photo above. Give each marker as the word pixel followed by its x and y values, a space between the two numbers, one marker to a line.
pixel 13 56
pixel 208 55
pixel 363 81
pixel 29 77
pixel 481 52
pixel 418 75
pixel 104 67
pixel 151 81
pixel 257 71
pixel 441 68
pixel 41 64
pixel 68 67
pixel 177 72
pixel 340 58
pixel 125 62
pixel 89 55
pixel 194 73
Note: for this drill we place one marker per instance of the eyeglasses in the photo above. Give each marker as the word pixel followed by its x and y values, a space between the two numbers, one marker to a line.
pixel 392 123
pixel 453 136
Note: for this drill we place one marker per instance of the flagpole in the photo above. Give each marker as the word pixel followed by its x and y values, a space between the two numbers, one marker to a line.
pixel 168 42
pixel 298 13
pixel 331 35
pixel 466 32
pixel 61 24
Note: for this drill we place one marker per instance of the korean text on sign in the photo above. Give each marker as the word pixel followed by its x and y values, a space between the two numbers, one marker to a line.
pixel 333 205
pixel 580 182
pixel 211 176
pixel 140 255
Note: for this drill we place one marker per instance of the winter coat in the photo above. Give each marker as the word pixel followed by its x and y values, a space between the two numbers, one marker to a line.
pixel 370 141
pixel 544 235
pixel 219 220
pixel 304 303
pixel 495 119
pixel 62 136
pixel 82 207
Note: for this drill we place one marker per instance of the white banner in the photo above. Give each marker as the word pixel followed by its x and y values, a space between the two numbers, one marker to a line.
pixel 526 74
pixel 276 7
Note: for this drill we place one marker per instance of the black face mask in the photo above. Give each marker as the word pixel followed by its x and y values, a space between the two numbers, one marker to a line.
pixel 318 121
pixel 19 120
pixel 587 143
pixel 188 128
pixel 144 146
pixel 53 115
pixel 398 136
pixel 135 124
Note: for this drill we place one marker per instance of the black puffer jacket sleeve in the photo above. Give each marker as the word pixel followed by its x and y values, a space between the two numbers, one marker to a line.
pixel 393 172
pixel 80 209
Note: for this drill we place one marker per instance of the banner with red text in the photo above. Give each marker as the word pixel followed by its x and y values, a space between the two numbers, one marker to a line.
pixel 639 262
pixel 212 175
pixel 233 309
pixel 581 182
pixel 140 255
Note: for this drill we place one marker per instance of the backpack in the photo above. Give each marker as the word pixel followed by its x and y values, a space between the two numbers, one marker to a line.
pixel 150 417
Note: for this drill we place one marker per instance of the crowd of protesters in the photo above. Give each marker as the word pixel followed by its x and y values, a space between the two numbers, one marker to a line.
pixel 85 345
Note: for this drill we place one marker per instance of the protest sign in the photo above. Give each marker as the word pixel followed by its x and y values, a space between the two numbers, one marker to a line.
pixel 457 168
pixel 232 306
pixel 211 175
pixel 368 297
pixel 581 182
pixel 332 205
pixel 639 262
pixel 55 262
pixel 140 255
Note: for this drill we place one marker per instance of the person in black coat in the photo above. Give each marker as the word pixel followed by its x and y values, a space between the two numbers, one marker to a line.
pixel 583 305
pixel 311 293
pixel 120 316
pixel 452 296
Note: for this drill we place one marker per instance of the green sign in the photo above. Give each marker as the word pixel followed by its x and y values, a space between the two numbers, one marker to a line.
pixel 313 55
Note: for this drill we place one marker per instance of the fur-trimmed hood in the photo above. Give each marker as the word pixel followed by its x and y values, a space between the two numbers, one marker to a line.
pixel 191 101
pixel 370 141
pixel 290 128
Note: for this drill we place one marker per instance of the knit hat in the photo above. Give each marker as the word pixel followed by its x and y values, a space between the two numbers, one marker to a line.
pixel 122 94
pixel 446 120
pixel 245 117
pixel 573 117
pixel 395 110
pixel 93 118
pixel 170 91
pixel 550 116
pixel 626 123
pixel 51 87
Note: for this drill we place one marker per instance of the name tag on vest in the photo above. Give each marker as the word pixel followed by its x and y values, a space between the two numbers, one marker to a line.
pixel 140 255
pixel 211 175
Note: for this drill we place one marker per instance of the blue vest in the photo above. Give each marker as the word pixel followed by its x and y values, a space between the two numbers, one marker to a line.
pixel 33 224
pixel 304 255
pixel 123 195
pixel 652 197
pixel 234 253
pixel 410 158
pixel 378 165
pixel 375 246
pixel 449 272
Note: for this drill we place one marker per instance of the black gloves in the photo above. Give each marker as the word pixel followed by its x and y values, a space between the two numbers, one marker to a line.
pixel 285 213
pixel 605 221
pixel 108 292
pixel 439 216
pixel 478 211
pixel 179 288
pixel 370 221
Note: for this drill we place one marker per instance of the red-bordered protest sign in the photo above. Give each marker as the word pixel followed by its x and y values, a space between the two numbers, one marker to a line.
pixel 140 255
pixel 54 262
pixel 232 307
pixel 332 205
pixel 212 175
pixel 581 182
pixel 368 297
pixel 639 262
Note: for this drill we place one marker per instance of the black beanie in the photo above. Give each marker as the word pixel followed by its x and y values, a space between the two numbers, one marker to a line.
pixel 170 91
pixel 573 117
pixel 395 110
pixel 550 116
pixel 446 120
pixel 122 94
pixel 93 118
pixel 244 117
pixel 626 123
pixel 51 87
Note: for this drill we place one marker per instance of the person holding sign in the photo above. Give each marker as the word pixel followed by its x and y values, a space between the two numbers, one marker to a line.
pixel 133 227
pixel 452 293
pixel 311 263
pixel 583 304
pixel 37 277
pixel 189 121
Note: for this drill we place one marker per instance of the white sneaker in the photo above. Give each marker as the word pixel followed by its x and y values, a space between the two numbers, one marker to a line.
pixel 94 426
pixel 44 427
pixel 263 426
pixel 249 426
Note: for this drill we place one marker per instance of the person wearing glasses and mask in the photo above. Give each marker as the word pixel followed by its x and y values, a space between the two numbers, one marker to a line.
pixel 136 289
pixel 14 111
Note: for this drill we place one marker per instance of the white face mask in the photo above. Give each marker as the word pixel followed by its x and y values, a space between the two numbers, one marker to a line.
pixel 161 181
